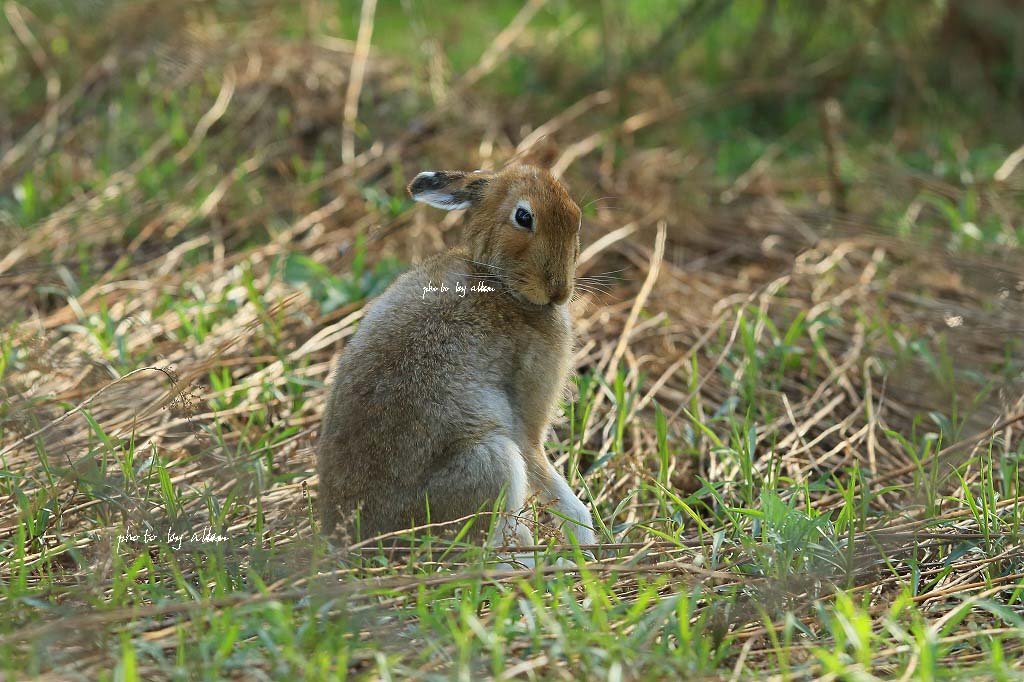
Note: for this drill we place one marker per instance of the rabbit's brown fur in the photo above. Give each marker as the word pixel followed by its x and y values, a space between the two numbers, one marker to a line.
pixel 446 396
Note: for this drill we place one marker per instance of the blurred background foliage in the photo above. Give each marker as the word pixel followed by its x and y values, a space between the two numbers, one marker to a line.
pixel 930 85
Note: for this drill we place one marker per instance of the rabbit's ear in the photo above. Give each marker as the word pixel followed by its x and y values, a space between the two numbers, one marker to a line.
pixel 544 154
pixel 450 190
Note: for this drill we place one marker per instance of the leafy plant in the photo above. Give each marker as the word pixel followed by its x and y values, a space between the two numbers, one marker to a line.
pixel 333 291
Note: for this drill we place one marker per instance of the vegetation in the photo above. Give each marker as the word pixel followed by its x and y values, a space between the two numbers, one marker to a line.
pixel 798 409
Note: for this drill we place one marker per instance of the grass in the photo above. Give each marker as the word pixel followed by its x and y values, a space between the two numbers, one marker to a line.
pixel 798 397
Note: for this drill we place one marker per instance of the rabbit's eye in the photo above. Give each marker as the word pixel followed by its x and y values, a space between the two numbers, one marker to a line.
pixel 524 218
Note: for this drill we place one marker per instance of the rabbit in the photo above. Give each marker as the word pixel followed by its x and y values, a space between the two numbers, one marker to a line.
pixel 442 397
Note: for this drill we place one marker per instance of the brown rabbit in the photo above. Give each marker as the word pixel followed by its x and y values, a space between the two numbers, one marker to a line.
pixel 444 394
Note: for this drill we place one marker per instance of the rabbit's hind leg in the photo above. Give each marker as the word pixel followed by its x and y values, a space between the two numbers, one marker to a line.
pixel 475 478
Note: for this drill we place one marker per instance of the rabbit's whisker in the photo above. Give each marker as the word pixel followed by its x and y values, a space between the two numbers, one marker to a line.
pixel 594 285
pixel 608 272
pixel 483 265
pixel 601 278
pixel 590 289
pixel 594 201
pixel 472 275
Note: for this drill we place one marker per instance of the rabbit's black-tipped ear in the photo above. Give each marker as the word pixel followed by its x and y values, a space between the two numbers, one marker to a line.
pixel 450 190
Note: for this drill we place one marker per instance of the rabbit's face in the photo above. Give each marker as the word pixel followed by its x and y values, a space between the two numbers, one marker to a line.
pixel 524 227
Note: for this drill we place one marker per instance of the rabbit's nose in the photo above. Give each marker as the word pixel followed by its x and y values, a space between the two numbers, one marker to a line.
pixel 559 294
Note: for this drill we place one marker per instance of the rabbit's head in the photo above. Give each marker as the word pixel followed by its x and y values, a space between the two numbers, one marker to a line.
pixel 523 226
